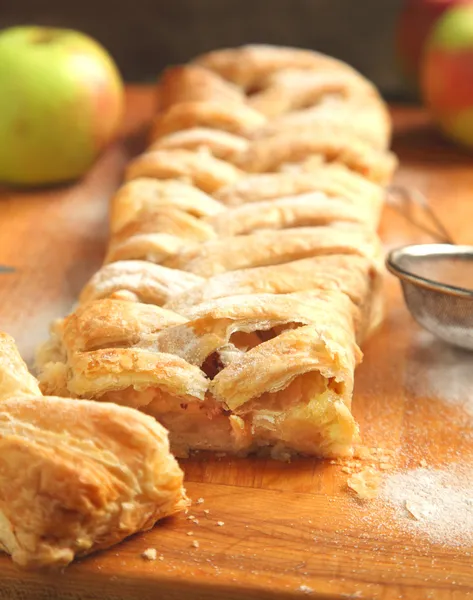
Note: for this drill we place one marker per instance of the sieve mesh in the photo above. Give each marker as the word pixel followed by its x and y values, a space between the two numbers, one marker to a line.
pixel 440 295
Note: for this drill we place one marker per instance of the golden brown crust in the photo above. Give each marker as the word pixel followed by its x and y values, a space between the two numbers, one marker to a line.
pixel 275 247
pixel 14 375
pixel 370 126
pixel 269 154
pixel 145 281
pixel 355 276
pixel 291 90
pixel 306 210
pixel 248 65
pixel 192 83
pixel 54 507
pixel 202 170
pixel 221 144
pixel 332 180
pixel 145 195
pixel 284 80
pixel 238 119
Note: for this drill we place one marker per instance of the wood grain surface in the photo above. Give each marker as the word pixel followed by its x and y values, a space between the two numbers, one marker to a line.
pixel 289 530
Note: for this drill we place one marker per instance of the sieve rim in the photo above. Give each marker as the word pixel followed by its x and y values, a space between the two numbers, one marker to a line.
pixel 418 250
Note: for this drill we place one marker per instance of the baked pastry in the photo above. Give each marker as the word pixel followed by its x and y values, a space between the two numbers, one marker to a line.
pixel 76 477
pixel 234 374
pixel 244 268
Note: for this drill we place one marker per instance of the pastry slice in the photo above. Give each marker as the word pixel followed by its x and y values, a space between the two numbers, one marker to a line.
pixel 76 477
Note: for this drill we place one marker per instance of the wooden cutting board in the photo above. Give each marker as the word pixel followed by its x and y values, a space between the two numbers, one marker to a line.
pixel 287 530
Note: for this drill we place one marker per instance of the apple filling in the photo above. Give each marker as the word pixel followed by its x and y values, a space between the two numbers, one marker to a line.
pixel 192 424
pixel 239 343
pixel 308 417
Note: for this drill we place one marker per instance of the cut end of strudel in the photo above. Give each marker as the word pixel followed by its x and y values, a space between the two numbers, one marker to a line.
pixel 237 374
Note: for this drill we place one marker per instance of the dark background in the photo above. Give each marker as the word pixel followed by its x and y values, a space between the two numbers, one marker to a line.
pixel 145 35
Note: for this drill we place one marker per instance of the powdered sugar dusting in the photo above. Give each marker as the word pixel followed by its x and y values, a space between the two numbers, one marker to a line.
pixel 442 372
pixel 437 504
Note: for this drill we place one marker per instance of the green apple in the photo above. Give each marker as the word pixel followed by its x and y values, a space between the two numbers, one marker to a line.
pixel 61 102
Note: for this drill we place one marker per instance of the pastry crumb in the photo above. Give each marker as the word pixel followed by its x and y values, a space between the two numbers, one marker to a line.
pixel 306 589
pixel 423 463
pixel 199 501
pixel 193 519
pixel 150 554
pixel 220 523
pixel 195 544
pixel 365 484
pixel 190 533
pixel 206 511
pixel 417 510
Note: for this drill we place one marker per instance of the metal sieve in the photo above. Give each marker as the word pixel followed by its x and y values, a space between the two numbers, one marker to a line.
pixel 436 279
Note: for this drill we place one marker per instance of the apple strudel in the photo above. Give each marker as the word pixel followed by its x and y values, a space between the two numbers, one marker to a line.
pixel 244 268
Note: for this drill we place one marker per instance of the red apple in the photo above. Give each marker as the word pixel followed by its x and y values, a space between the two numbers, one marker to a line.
pixel 447 74
pixel 415 24
pixel 61 99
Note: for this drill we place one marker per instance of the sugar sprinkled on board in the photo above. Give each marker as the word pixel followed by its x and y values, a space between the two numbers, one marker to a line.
pixel 442 371
pixel 437 504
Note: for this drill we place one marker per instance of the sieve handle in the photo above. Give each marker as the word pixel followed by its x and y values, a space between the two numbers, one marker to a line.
pixel 398 197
